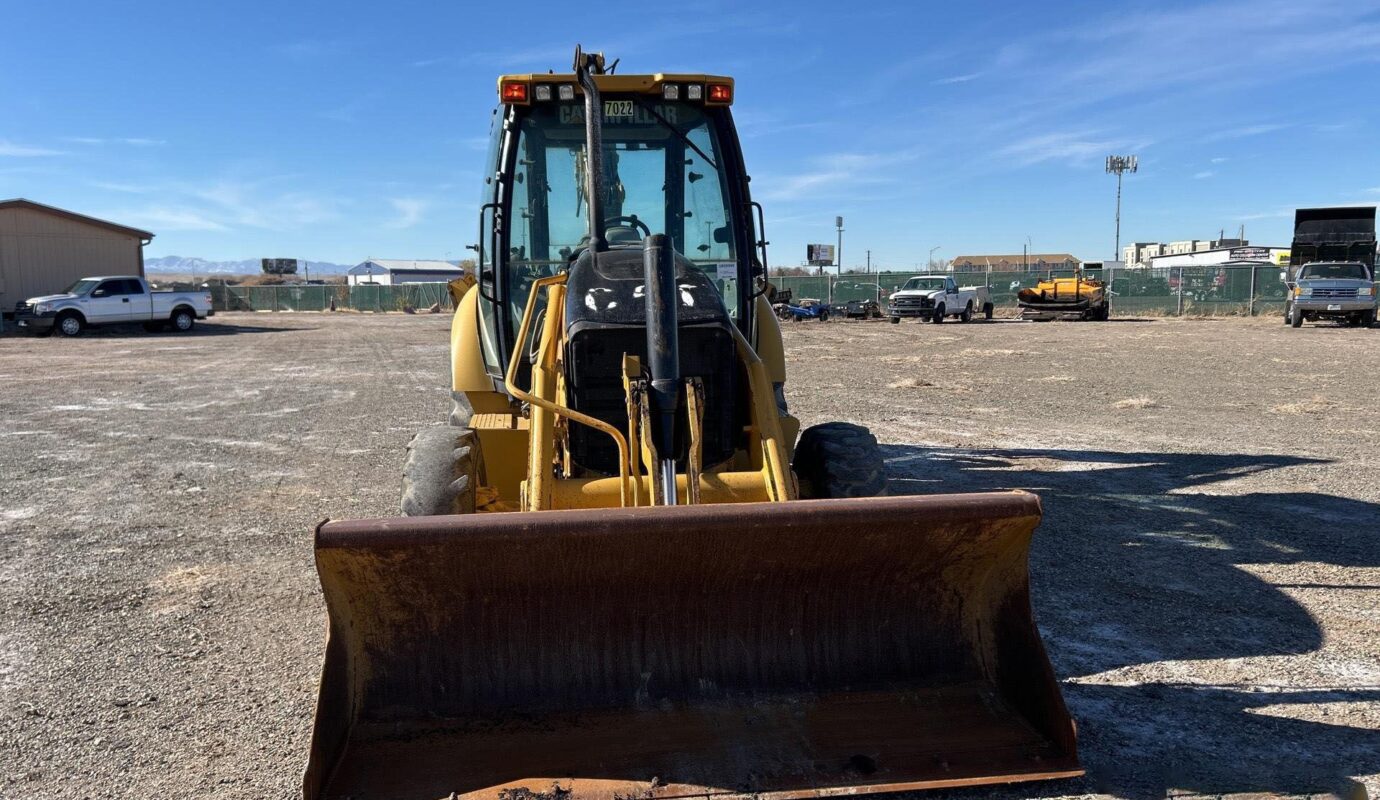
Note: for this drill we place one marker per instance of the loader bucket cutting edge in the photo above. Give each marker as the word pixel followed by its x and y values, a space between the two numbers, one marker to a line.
pixel 803 649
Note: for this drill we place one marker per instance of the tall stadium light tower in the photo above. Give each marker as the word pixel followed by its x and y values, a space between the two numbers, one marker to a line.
pixel 1118 165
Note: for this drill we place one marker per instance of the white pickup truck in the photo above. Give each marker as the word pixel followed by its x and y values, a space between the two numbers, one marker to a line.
pixel 112 300
pixel 934 297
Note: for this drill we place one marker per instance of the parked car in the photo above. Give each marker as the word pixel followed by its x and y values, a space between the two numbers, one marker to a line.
pixel 934 297
pixel 861 309
pixel 809 308
pixel 112 300
pixel 1338 290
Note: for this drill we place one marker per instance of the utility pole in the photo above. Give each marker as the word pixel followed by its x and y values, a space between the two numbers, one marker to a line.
pixel 869 262
pixel 1117 165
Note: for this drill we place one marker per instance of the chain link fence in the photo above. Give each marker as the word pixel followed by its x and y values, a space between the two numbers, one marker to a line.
pixel 324 298
pixel 1169 291
pixel 1238 290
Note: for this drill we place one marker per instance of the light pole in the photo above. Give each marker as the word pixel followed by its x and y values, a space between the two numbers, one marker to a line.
pixel 838 257
pixel 1118 165
pixel 929 262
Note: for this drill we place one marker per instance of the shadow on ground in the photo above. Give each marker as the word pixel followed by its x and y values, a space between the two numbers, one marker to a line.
pixel 137 332
pixel 1137 562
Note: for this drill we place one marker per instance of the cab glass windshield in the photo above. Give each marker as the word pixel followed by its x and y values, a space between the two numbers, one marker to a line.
pixel 80 287
pixel 1334 271
pixel 663 173
pixel 924 283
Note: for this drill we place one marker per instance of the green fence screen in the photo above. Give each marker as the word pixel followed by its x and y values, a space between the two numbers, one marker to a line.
pixel 1190 291
pixel 323 298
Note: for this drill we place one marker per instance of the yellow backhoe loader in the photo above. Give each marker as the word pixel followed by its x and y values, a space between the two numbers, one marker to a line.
pixel 621 572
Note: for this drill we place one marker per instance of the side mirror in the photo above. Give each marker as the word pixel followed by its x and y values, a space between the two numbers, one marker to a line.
pixel 98 293
pixel 1284 275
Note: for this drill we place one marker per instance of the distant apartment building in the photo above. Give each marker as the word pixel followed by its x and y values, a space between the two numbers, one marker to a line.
pixel 1144 253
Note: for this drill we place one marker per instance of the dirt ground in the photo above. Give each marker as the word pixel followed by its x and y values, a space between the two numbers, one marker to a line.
pixel 1207 577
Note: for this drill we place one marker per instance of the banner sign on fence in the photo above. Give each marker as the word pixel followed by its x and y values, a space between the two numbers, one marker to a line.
pixel 1250 254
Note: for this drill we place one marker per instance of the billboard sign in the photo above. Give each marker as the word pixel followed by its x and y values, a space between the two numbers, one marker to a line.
pixel 279 266
pixel 819 255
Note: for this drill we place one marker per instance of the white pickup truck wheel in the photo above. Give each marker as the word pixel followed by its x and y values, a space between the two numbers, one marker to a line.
pixel 183 320
pixel 69 324
pixel 939 312
pixel 967 315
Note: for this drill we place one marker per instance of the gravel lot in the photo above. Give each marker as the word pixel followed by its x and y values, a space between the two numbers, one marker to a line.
pixel 1207 576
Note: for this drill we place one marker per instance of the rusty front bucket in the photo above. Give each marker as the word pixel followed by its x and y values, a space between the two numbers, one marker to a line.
pixel 783 650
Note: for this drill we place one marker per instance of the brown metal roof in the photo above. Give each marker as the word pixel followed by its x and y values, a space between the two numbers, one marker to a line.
pixel 20 202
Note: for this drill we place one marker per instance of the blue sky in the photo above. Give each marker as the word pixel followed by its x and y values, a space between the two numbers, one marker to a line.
pixel 343 131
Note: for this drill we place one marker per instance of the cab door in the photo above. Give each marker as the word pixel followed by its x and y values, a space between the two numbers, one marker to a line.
pixel 108 302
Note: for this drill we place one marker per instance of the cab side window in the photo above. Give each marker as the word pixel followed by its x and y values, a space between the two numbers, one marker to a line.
pixel 132 286
pixel 108 289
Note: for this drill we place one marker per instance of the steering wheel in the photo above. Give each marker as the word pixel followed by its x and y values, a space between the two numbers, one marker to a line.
pixel 633 222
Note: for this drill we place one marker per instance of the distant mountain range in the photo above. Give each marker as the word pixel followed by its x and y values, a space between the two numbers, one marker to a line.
pixel 249 266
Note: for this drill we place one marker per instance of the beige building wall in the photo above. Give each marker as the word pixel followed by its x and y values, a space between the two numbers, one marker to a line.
pixel 43 253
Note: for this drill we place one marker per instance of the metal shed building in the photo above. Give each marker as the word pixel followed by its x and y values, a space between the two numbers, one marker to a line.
pixel 43 250
pixel 393 271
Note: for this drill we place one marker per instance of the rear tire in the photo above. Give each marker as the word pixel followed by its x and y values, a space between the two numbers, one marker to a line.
pixel 987 309
pixel 839 459
pixel 441 473
pixel 182 320
pixel 895 320
pixel 939 314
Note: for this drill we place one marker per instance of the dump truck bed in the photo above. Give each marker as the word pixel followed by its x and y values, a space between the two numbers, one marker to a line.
pixel 784 650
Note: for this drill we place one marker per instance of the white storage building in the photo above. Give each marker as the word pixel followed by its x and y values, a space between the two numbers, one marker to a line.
pixel 391 271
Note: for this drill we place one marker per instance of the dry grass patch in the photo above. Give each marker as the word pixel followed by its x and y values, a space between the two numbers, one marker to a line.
pixel 1314 405
pixel 1136 402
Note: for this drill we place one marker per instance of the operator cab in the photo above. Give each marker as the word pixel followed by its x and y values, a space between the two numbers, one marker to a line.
pixel 671 165
pixel 668 163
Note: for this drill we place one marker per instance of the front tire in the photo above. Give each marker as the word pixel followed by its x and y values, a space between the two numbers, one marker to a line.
pixel 895 320
pixel 967 315
pixel 939 314
pixel 441 473
pixel 824 316
pixel 839 459
pixel 69 324
pixel 1296 317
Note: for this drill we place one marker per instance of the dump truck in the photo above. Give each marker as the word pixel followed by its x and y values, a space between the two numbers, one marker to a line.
pixel 621 569
pixel 1331 270
pixel 1074 298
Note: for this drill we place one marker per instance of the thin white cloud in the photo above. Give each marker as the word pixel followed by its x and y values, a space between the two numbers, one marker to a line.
pixel 134 141
pixel 13 150
pixel 166 218
pixel 409 209
pixel 1072 147
pixel 1219 160
pixel 957 79
pixel 124 188
pixel 833 173
pixel 1207 173
pixel 1245 131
